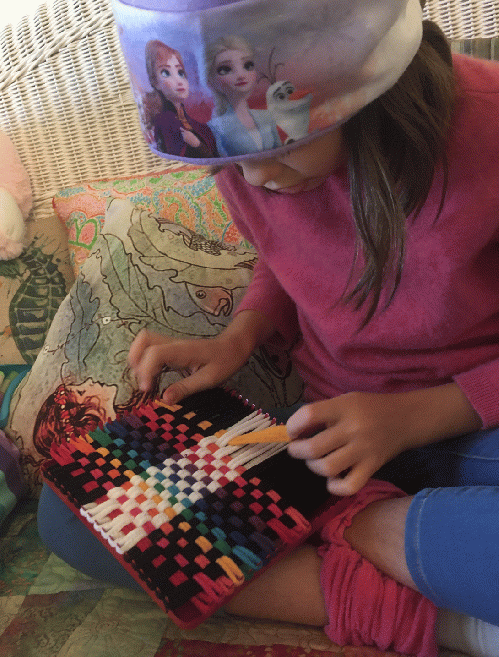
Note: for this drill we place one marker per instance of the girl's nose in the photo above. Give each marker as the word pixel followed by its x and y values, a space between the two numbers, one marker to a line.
pixel 260 172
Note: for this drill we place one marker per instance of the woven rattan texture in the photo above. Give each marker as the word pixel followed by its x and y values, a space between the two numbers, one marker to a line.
pixel 465 19
pixel 65 99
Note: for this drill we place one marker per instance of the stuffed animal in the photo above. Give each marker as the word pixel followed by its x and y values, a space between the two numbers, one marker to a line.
pixel 16 200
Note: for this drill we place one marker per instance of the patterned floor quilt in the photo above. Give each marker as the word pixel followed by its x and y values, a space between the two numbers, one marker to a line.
pixel 47 609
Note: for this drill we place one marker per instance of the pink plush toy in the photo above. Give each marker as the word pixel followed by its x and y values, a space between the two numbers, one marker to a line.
pixel 16 200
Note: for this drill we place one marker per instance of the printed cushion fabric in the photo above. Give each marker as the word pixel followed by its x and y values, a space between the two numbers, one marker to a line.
pixel 144 271
pixel 32 287
pixel 12 487
pixel 185 194
pixel 50 610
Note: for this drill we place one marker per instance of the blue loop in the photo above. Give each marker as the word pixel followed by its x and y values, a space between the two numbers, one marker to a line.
pixel 247 557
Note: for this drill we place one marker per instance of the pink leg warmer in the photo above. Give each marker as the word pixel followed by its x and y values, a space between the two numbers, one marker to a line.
pixel 366 607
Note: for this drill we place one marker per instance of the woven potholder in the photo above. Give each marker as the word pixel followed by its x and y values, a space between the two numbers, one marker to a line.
pixel 190 517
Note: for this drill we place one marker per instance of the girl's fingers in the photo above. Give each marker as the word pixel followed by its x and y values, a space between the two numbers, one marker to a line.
pixel 201 379
pixel 142 341
pixel 353 481
pixel 317 446
pixel 151 353
pixel 198 360
pixel 155 358
pixel 334 463
pixel 312 418
pixel 344 472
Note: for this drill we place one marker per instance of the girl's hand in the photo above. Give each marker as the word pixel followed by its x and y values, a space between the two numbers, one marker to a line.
pixel 208 362
pixel 348 438
pixel 190 138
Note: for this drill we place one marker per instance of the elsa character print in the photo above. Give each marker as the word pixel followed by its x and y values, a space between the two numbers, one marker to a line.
pixel 174 131
pixel 232 76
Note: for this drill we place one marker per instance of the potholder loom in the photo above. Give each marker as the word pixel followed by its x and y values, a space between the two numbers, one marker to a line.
pixel 191 517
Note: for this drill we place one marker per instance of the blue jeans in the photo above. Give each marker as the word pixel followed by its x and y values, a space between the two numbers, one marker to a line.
pixel 452 529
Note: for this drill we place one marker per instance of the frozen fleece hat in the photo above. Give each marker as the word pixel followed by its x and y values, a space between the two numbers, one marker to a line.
pixel 225 80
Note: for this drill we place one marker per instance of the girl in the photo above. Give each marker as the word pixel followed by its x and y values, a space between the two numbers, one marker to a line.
pixel 174 131
pixel 232 76
pixel 378 249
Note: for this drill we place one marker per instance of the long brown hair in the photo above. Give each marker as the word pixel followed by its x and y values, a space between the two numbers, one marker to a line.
pixel 395 145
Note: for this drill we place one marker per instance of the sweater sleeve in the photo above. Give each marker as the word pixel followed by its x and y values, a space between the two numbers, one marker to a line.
pixel 481 387
pixel 266 295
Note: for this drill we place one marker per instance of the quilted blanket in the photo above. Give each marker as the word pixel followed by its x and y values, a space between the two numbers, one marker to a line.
pixel 47 609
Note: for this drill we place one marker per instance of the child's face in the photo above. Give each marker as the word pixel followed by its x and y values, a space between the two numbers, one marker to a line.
pixel 300 170
pixel 171 79
pixel 234 73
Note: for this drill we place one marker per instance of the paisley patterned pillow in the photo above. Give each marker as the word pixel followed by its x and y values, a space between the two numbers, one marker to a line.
pixel 185 194
pixel 33 285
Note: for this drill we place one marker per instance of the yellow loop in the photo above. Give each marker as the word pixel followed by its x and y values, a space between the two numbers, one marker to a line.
pixel 231 569
pixel 203 543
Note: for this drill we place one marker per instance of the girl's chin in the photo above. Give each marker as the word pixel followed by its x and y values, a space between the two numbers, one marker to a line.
pixel 304 186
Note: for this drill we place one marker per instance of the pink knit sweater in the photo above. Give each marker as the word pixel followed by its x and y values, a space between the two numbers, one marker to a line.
pixel 443 323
